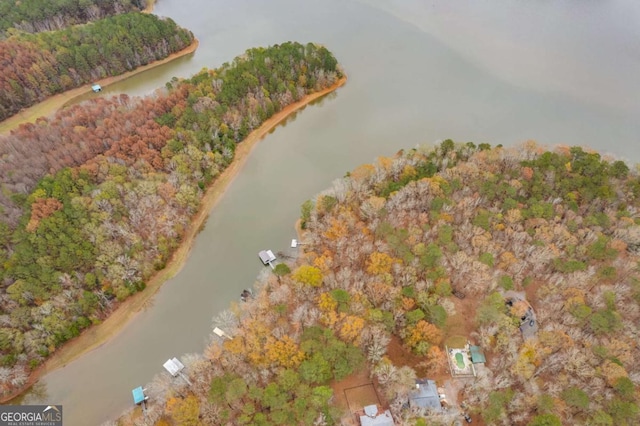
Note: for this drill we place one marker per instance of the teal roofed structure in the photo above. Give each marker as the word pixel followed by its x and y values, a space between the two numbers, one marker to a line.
pixel 138 395
pixel 96 88
pixel 477 357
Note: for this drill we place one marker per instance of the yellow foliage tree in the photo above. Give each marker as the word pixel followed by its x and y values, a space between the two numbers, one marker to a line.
pixel 309 275
pixel 513 216
pixel 408 172
pixel 184 412
pixel 445 217
pixel 338 229
pixel 385 162
pixel 250 343
pixel 363 172
pixel 283 352
pixel 435 184
pixel 329 319
pixel 379 263
pixel 351 329
pixel 553 341
pixel 527 361
pixel 507 259
pixel 324 262
pixel 327 303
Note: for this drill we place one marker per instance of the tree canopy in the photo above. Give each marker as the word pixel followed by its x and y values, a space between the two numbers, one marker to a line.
pixel 36 66
pixel 96 198
pixel 386 249
pixel 36 16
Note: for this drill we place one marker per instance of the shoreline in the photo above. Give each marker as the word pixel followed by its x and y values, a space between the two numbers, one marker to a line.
pixel 149 7
pixel 60 100
pixel 97 335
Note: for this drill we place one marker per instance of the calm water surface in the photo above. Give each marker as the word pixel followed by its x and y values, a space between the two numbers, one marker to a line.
pixel 561 71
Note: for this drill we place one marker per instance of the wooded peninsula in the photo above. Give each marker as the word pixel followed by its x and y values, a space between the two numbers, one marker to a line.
pixel 96 198
pixel 401 259
pixel 36 66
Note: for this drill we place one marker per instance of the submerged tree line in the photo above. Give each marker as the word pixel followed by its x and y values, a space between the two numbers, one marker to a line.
pixel 385 248
pixel 36 66
pixel 96 198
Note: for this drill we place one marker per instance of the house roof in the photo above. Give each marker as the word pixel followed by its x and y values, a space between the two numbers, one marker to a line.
pixel 373 418
pixel 425 395
pixel 476 354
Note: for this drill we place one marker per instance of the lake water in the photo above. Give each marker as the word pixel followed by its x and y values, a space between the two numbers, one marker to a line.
pixel 559 72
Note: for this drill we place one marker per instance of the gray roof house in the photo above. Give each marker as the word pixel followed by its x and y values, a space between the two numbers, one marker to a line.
pixel 425 395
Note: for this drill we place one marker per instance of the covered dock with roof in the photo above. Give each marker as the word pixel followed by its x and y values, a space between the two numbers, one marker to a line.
pixel 267 257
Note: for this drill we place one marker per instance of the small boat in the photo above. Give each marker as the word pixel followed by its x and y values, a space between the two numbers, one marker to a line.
pixel 246 295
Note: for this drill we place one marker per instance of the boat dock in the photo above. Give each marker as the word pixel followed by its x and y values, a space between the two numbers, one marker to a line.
pixel 267 257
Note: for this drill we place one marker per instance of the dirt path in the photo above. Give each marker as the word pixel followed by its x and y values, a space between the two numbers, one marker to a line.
pixel 98 335
pixel 55 102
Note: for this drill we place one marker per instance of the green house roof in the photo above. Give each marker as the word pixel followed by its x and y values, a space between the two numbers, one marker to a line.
pixel 476 355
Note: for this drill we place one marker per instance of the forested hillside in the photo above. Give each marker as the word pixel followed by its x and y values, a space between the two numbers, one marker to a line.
pixel 33 16
pixel 385 249
pixel 36 66
pixel 95 199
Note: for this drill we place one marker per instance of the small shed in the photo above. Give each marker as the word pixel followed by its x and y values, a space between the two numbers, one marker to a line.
pixel 266 256
pixel 373 417
pixel 425 395
pixel 96 88
pixel 477 356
